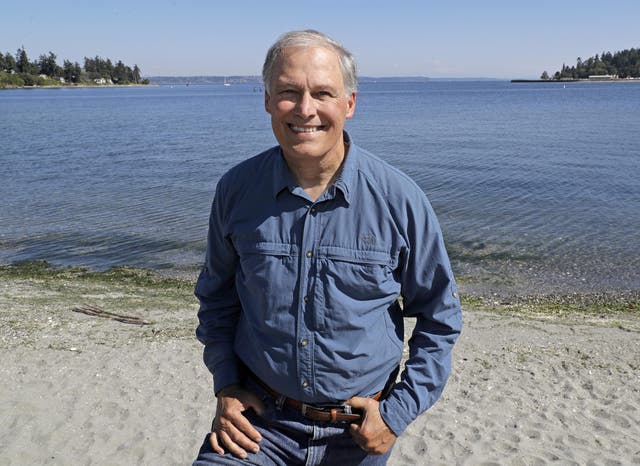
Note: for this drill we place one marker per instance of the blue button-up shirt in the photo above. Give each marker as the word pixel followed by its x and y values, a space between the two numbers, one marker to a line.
pixel 306 293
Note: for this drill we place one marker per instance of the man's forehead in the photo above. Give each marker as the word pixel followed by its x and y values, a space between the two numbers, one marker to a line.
pixel 289 53
pixel 322 64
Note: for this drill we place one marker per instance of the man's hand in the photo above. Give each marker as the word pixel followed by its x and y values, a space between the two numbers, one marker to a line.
pixel 372 435
pixel 231 430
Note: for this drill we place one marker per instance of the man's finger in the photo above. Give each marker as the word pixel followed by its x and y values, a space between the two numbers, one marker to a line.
pixel 359 402
pixel 231 446
pixel 242 438
pixel 213 440
pixel 243 425
pixel 373 434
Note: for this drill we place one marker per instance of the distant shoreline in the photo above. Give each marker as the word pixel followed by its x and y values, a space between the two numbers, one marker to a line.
pixel 71 86
pixel 558 81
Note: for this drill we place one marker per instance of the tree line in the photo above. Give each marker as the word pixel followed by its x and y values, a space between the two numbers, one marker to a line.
pixel 18 70
pixel 624 64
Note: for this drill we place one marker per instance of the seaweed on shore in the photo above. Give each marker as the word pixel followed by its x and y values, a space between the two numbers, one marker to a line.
pixel 605 304
pixel 602 307
pixel 36 301
pixel 124 274
pixel 618 302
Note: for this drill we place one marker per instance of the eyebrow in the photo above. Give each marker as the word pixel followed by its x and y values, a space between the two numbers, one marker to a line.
pixel 324 87
pixel 280 83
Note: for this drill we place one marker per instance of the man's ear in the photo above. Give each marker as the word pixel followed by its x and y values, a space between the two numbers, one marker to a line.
pixel 351 105
pixel 267 99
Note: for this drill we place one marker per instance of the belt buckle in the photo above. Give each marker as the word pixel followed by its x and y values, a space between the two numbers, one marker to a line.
pixel 342 408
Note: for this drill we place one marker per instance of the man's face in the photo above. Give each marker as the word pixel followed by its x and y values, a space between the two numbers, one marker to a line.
pixel 308 104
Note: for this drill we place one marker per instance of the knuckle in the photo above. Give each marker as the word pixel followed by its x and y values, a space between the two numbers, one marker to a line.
pixel 371 445
pixel 235 436
pixel 225 424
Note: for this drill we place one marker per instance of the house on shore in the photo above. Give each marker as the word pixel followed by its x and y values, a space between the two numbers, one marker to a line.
pixel 603 77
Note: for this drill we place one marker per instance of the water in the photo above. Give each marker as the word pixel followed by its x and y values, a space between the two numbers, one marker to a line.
pixel 536 185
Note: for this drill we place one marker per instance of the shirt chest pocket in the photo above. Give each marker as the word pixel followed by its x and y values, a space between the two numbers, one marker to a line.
pixel 265 268
pixel 362 275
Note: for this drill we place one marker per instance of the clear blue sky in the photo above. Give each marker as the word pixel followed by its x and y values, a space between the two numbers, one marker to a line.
pixel 458 38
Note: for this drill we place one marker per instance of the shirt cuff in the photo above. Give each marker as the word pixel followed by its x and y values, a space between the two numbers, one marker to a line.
pixel 394 415
pixel 225 372
pixel 224 376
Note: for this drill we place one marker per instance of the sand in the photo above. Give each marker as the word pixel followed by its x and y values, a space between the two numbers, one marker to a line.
pixel 76 389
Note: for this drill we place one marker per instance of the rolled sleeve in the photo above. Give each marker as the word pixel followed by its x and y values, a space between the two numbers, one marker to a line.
pixel 219 302
pixel 430 295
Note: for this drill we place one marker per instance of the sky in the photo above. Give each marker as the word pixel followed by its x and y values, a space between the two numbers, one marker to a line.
pixel 455 39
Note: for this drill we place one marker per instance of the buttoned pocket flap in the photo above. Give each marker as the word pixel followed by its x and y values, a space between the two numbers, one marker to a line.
pixel 360 256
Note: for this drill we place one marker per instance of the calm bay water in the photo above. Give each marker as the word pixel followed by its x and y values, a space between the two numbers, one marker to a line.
pixel 536 185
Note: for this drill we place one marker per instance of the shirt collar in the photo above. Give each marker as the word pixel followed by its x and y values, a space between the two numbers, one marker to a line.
pixel 282 177
pixel 344 181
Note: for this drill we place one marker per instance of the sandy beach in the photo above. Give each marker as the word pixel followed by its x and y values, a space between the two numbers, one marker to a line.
pixel 527 388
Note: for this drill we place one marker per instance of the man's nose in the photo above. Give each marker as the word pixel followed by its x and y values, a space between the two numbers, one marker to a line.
pixel 306 105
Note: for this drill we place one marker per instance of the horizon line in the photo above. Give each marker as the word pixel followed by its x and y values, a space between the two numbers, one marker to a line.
pixel 259 78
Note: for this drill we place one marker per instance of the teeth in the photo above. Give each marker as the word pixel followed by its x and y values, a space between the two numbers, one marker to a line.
pixel 299 129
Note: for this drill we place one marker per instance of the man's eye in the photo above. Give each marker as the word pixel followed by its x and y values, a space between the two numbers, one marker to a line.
pixel 323 95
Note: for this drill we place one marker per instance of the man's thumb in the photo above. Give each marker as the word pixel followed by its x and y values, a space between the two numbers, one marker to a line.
pixel 357 402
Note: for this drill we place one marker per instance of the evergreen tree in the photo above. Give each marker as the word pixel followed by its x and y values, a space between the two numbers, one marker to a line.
pixel 108 69
pixel 136 74
pixel 120 75
pixel 10 63
pixel 22 61
pixel 77 72
pixel 89 65
pixel 71 72
pixel 47 65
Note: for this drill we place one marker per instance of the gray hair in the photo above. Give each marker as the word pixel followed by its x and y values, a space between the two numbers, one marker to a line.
pixel 311 38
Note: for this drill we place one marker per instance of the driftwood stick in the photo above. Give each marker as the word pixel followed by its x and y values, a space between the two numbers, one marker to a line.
pixel 97 312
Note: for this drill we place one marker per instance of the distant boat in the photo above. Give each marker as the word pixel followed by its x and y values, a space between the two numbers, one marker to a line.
pixel 225 82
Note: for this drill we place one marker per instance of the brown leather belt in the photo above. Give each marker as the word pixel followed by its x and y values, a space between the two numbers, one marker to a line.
pixel 319 413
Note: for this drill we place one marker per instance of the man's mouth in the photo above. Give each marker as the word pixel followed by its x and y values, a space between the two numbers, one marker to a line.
pixel 306 129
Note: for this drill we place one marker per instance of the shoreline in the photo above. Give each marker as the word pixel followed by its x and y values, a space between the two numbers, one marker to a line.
pixel 626 80
pixel 533 382
pixel 485 296
pixel 72 86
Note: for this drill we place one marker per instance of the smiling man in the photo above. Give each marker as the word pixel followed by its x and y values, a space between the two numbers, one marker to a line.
pixel 310 245
pixel 309 104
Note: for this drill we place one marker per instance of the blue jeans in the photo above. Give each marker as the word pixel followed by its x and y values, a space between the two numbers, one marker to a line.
pixel 289 439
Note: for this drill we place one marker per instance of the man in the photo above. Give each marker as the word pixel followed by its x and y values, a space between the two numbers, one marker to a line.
pixel 310 245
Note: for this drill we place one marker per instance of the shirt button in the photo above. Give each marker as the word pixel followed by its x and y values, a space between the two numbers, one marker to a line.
pixel 306 299
pixel 309 254
pixel 455 294
pixel 304 342
pixel 305 384
pixel 313 210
